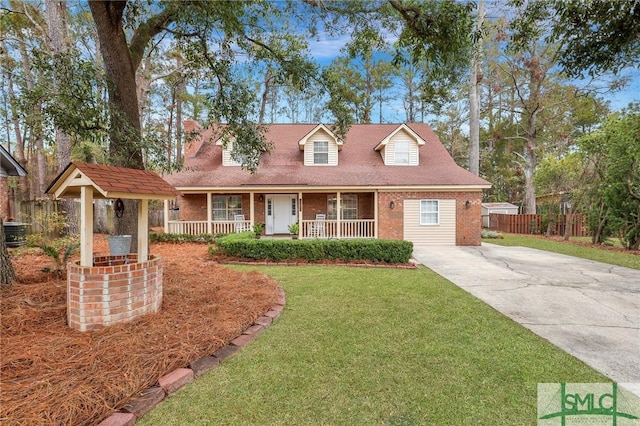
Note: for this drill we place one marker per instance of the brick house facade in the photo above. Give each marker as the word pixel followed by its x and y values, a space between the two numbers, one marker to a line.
pixel 391 181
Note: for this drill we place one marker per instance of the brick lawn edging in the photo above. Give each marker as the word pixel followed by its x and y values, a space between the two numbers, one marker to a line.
pixel 173 381
pixel 413 264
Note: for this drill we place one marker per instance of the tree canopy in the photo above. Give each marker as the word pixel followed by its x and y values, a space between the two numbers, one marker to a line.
pixel 596 35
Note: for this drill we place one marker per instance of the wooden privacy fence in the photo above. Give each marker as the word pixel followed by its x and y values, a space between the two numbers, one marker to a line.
pixel 538 224
pixel 42 216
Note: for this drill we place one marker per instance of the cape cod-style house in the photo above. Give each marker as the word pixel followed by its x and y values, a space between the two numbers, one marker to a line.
pixel 390 181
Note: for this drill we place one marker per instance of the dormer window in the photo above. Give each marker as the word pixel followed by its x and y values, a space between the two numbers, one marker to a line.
pixel 320 147
pixel 401 152
pixel 400 147
pixel 320 152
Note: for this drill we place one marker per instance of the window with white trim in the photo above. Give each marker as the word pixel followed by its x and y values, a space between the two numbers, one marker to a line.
pixel 320 152
pixel 429 212
pixel 348 206
pixel 401 152
pixel 225 207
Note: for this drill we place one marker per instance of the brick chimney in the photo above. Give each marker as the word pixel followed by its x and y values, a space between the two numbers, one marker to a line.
pixel 193 138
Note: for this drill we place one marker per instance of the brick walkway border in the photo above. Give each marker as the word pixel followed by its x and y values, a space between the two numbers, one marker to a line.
pixel 176 379
pixel 413 264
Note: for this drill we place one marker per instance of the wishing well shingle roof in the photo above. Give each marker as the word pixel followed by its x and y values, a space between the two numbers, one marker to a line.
pixel 358 163
pixel 115 181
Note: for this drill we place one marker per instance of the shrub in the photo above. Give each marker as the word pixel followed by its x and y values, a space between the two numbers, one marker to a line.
pixel 55 251
pixel 491 234
pixel 181 238
pixel 385 251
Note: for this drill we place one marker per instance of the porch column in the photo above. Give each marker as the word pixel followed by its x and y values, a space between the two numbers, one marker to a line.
pixel 143 230
pixel 251 209
pixel 209 214
pixel 375 214
pixel 86 226
pixel 338 216
pixel 300 215
pixel 166 216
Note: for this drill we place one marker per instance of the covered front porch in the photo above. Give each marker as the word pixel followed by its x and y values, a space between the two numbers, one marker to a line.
pixel 317 214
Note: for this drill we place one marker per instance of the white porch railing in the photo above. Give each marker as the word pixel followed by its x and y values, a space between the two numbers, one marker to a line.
pixel 352 228
pixel 195 227
pixel 192 227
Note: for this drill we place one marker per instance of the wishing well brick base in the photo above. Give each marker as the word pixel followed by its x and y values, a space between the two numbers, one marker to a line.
pixel 116 289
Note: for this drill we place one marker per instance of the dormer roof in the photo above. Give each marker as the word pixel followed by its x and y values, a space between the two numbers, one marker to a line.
pixel 305 138
pixel 407 129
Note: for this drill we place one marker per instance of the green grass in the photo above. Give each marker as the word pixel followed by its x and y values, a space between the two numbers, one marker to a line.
pixel 628 260
pixel 381 347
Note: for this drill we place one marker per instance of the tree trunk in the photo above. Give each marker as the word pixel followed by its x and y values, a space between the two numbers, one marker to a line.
pixel 59 43
pixel 474 98
pixel 181 89
pixel 265 95
pixel 568 225
pixel 125 131
pixel 7 274
pixel 100 222
pixel 19 151
pixel 529 185
pixel 35 120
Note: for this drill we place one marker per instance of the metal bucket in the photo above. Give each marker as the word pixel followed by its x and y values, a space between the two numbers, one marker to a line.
pixel 119 245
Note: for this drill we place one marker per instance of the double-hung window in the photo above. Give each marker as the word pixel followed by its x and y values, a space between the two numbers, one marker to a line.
pixel 348 207
pixel 429 212
pixel 320 152
pixel 225 207
pixel 401 152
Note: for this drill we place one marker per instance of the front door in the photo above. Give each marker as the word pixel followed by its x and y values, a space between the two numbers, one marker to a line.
pixel 281 211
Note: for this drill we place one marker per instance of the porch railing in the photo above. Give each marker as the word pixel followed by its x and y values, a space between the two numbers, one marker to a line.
pixel 194 227
pixel 356 228
pixel 352 228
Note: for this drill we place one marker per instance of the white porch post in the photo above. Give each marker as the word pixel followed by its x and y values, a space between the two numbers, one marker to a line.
pixel 375 215
pixel 338 216
pixel 166 216
pixel 209 214
pixel 251 209
pixel 300 215
pixel 143 230
pixel 86 226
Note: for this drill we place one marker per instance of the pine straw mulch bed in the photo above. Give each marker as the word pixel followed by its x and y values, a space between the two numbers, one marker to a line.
pixel 51 374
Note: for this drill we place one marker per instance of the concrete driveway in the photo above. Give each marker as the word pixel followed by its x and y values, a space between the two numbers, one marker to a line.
pixel 589 309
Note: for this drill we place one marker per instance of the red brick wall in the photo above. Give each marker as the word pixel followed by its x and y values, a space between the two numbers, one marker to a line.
pixel 314 204
pixel 4 199
pixel 193 207
pixel 468 220
pixel 112 292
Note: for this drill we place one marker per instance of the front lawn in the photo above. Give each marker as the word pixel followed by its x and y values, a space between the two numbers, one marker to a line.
pixel 377 346
pixel 613 256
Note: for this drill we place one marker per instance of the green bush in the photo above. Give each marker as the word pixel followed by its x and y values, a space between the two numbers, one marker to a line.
pixel 385 251
pixel 491 234
pixel 181 238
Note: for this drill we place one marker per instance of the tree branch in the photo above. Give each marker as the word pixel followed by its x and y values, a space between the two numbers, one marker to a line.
pixel 146 31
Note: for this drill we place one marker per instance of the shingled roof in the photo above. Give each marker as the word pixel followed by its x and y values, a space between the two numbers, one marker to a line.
pixel 359 164
pixel 110 182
